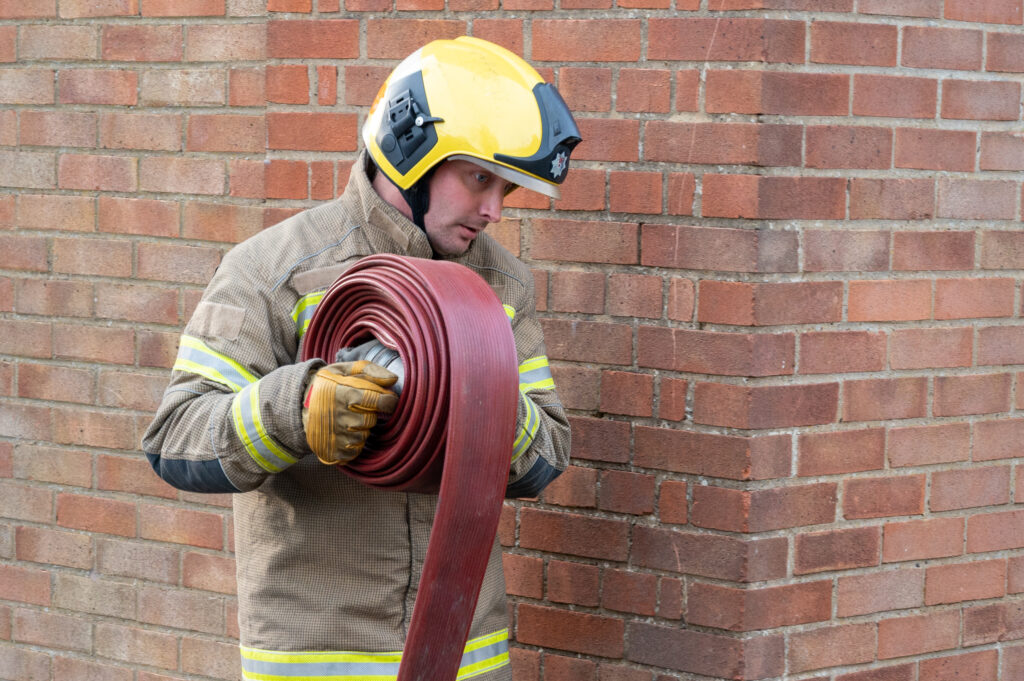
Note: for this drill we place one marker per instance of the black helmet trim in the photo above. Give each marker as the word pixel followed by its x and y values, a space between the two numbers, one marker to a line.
pixel 551 161
pixel 406 133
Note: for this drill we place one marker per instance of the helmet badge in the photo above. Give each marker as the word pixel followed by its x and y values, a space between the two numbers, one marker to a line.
pixel 559 164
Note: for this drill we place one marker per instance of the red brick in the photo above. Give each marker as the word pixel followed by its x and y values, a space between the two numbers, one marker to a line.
pixel 136 646
pixel 148 217
pixel 631 592
pixel 759 407
pixel 229 133
pixel 587 40
pixel 942 48
pixel 183 87
pixel 209 572
pixel 846 451
pixel 25 421
pixel 634 295
pixel 627 393
pixel 846 251
pixel 725 39
pixel 573 534
pixel 95 172
pixel 157 132
pixel 572 631
pixel 179 263
pixel 880 591
pixel 586 88
pixel 74 668
pixel 1005 52
pixel 576 486
pixel 995 531
pixel 130 475
pixel 181 526
pixel 983 394
pixel 917 634
pixel 672 504
pixel 93 343
pixel 311 131
pixel 923 251
pixel 885 398
pixel 680 299
pixel 149 561
pixel 8 47
pixel 96 86
pixel 679 648
pixel 923 539
pixel 749 196
pixel 26 86
pixel 625 492
pixel 98 8
pixel 221 222
pixel 47 212
pixel 573 583
pixel 999 151
pixel 714 143
pixel 599 342
pixel 973 298
pixel 906 8
pixel 577 292
pixel 769 303
pixel 94 514
pixel 247 87
pixel 600 440
pixel 997 439
pixel 566 240
pixel 696 553
pixel 579 387
pixel 186 8
pixel 644 90
pixel 94 428
pixel 635 192
pixel 177 175
pixel 107 257
pixel 751 610
pixel 1000 345
pixel 729 354
pixel 1002 250
pixel 397 38
pixel 226 42
pixel 923 445
pixel 891 199
pixel 991 12
pixel 608 139
pixel 42 545
pixel 57 43
pixel 55 383
pixel 856 43
pixel 720 456
pixel 718 248
pixel 883 497
pixel 25 585
pixel 763 510
pixel 55 465
pixel 58 128
pixel 28 170
pixel 180 609
pixel 832 646
pixel 313 39
pixel 25 338
pixel 952 490
pixel 848 147
pixel 980 100
pixel 142 43
pixel 977 200
pixel 54 298
pixel 935 149
pixel 827 352
pixel 837 550
pixel 889 300
pixel 978 665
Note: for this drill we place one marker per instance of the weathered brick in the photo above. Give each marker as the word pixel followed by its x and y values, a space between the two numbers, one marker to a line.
pixel 573 631
pixel 226 42
pixel 837 550
pixel 858 43
pixel 574 534
pixel 978 394
pixel 923 539
pixel 883 497
pixel 974 488
pixel 889 300
pixel 977 200
pixel 845 451
pixel 973 298
pixel 931 47
pixel 759 407
pixel 827 352
pixel 587 40
pixel 917 634
pixel 832 646
pixel 880 592
pixel 922 445
pixel 930 348
pixel 891 199
pixel 725 39
pixel 682 649
pixel 142 43
pixel 928 149
pixel 721 456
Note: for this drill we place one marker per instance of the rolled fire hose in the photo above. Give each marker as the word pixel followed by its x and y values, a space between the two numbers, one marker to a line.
pixel 451 432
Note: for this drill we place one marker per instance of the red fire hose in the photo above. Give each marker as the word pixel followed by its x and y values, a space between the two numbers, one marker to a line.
pixel 451 432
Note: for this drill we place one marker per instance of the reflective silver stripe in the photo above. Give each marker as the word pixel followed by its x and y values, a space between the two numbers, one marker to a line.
pixel 482 654
pixel 303 311
pixel 245 410
pixel 535 374
pixel 195 357
pixel 529 429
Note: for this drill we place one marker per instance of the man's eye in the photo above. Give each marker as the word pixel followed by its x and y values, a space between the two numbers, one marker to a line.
pixel 482 178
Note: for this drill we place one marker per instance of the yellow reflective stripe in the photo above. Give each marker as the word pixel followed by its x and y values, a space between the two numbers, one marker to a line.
pixel 267 453
pixel 535 374
pixel 510 311
pixel 529 429
pixel 480 655
pixel 303 311
pixel 195 357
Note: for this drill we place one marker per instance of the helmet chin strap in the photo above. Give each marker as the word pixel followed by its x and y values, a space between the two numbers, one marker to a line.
pixel 418 198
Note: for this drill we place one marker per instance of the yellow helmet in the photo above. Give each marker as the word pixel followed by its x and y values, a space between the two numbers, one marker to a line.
pixel 470 99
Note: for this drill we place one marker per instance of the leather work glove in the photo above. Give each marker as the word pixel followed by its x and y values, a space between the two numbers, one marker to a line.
pixel 341 406
pixel 378 353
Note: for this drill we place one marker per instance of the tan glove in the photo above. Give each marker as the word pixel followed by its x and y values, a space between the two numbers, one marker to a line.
pixel 341 406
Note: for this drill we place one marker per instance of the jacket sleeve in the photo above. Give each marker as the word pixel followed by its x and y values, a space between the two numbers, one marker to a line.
pixel 540 450
pixel 231 415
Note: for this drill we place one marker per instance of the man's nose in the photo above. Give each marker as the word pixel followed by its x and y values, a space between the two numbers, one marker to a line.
pixel 491 205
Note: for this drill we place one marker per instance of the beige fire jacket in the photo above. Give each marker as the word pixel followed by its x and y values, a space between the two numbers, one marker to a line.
pixel 328 569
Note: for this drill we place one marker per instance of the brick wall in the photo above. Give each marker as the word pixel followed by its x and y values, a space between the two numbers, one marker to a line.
pixel 782 297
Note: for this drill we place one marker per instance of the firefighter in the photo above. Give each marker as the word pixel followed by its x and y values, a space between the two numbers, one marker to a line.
pixel 328 569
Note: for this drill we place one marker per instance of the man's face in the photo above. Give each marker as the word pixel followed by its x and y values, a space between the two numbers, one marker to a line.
pixel 464 199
